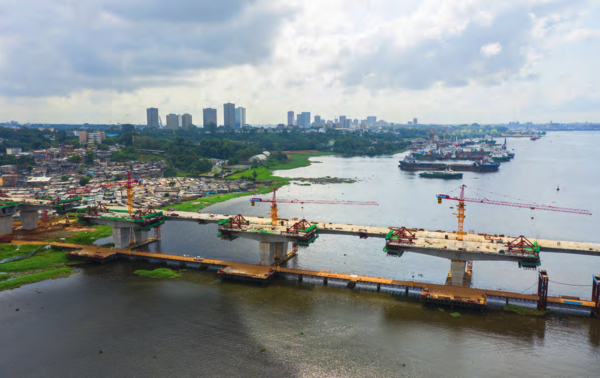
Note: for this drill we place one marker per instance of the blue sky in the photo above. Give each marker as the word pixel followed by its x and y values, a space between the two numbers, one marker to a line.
pixel 105 61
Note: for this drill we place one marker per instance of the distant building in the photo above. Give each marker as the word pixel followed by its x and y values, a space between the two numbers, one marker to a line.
pixel 415 121
pixel 318 120
pixel 305 119
pixel 229 115
pixel 13 150
pixel 371 120
pixel 343 121
pixel 290 121
pixel 8 168
pixel 10 180
pixel 210 116
pixel 82 137
pixel 240 117
pixel 299 120
pixel 186 121
pixel 152 118
pixel 95 137
pixel 172 122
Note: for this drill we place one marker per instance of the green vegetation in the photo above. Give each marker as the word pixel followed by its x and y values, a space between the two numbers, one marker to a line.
pixel 44 259
pixel 84 181
pixel 265 171
pixel 143 157
pixel 525 311
pixel 4 276
pixel 201 203
pixel 36 277
pixel 12 250
pixel 88 237
pixel 158 273
pixel 455 314
pixel 64 178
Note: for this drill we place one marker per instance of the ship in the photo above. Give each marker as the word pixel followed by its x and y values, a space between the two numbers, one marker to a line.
pixel 535 137
pixel 447 174
pixel 484 165
pixel 410 164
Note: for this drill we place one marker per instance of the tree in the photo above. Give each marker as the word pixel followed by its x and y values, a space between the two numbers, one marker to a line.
pixel 76 159
pixel 89 158
pixel 166 194
pixel 64 178
pixel 119 176
pixel 172 183
pixel 30 167
pixel 170 172
pixel 254 174
pixel 84 180
pixel 211 128
pixel 127 128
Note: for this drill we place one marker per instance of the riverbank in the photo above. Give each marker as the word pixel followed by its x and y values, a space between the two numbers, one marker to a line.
pixel 263 172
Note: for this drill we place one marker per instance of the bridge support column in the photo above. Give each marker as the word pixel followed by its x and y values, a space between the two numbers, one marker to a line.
pixel 121 236
pixel 281 249
pixel 6 225
pixel 29 219
pixel 267 253
pixel 458 272
pixel 141 236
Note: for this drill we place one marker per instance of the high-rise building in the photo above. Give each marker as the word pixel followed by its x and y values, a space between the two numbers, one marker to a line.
pixel 343 121
pixel 210 116
pixel 415 121
pixel 229 115
pixel 152 118
pixel 186 121
pixel 172 122
pixel 299 120
pixel 318 120
pixel 290 118
pixel 240 117
pixel 371 120
pixel 305 119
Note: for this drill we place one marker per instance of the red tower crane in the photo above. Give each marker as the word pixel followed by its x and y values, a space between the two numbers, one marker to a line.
pixel 274 202
pixel 534 206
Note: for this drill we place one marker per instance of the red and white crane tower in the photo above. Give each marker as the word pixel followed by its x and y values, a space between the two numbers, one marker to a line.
pixel 534 206
pixel 275 201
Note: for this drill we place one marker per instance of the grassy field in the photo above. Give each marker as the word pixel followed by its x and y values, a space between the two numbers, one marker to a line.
pixel 88 237
pixel 12 250
pixel 201 203
pixel 36 277
pixel 295 160
pixel 158 273
pixel 143 158
pixel 44 259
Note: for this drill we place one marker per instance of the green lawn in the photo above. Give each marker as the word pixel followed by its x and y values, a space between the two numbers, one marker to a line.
pixel 88 237
pixel 201 203
pixel 44 259
pixel 36 277
pixel 265 171
pixel 12 250
pixel 143 158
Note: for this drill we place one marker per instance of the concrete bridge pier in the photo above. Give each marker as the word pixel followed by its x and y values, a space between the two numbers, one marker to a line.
pixel 141 236
pixel 269 251
pixel 29 219
pixel 6 225
pixel 121 236
pixel 458 272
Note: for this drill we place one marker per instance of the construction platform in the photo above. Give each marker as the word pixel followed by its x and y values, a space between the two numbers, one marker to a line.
pixel 427 292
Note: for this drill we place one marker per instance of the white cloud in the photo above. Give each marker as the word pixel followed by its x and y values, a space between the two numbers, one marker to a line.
pixel 491 49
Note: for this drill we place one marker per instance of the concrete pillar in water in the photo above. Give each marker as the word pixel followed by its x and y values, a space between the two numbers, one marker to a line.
pixel 267 253
pixel 458 272
pixel 6 225
pixel 121 237
pixel 29 219
pixel 281 249
pixel 141 236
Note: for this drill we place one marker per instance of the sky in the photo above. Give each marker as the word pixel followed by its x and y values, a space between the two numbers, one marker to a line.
pixel 444 62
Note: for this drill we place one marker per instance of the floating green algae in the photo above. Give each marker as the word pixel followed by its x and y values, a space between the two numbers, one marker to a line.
pixel 158 273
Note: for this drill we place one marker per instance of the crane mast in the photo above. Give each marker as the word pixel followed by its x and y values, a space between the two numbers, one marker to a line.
pixel 460 215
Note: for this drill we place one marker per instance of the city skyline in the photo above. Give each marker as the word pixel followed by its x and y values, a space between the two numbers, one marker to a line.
pixel 459 62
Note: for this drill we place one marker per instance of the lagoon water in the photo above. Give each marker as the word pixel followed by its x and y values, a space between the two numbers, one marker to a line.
pixel 199 326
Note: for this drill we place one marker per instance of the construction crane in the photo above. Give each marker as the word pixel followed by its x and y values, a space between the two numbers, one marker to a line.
pixel 462 199
pixel 128 185
pixel 274 201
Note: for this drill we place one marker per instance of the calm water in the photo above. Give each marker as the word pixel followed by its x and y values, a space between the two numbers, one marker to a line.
pixel 198 326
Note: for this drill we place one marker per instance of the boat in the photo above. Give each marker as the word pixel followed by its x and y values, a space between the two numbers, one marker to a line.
pixel 535 137
pixel 500 157
pixel 484 165
pixel 410 164
pixel 447 174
